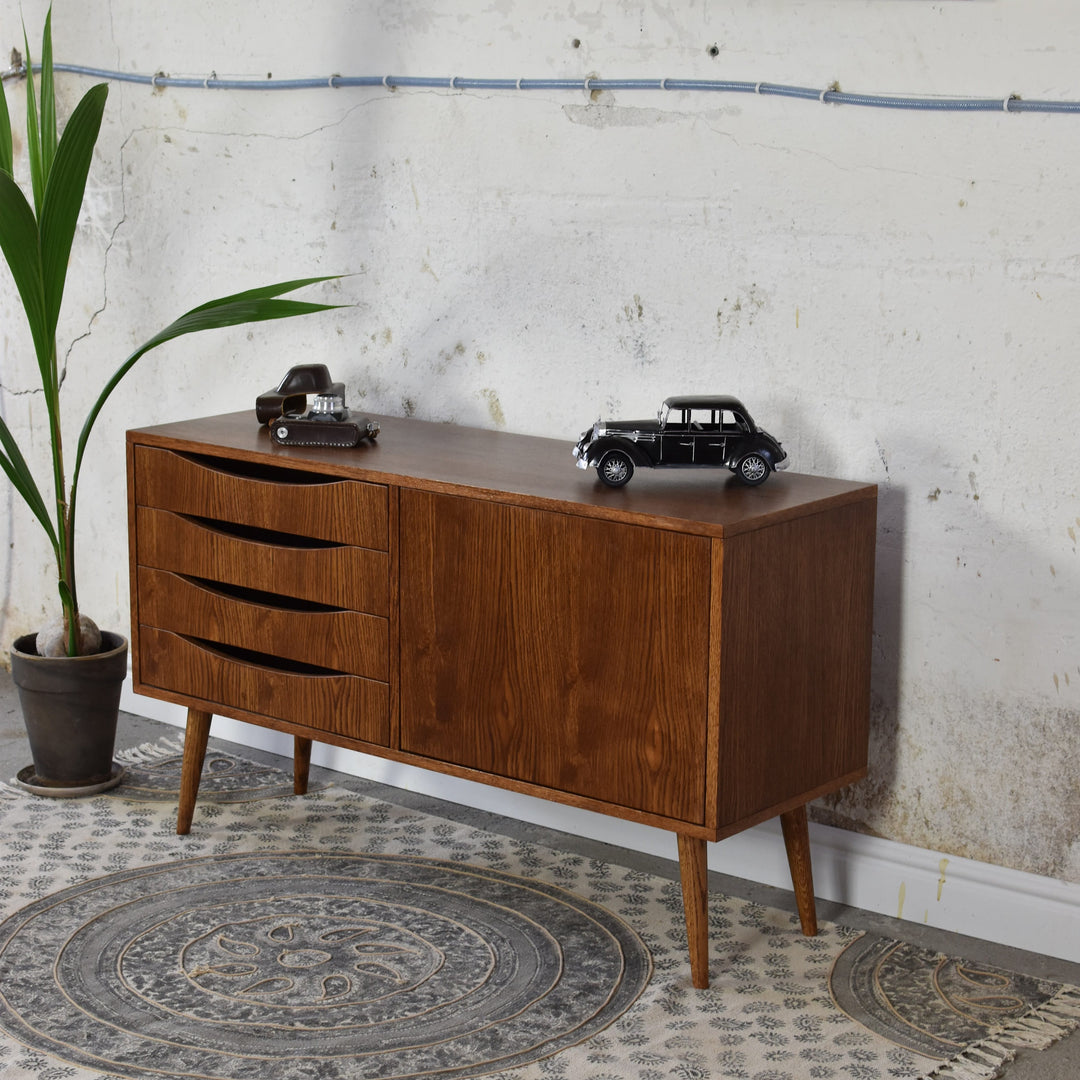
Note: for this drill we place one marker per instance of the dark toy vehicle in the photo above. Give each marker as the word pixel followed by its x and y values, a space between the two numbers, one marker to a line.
pixel 689 431
pixel 308 409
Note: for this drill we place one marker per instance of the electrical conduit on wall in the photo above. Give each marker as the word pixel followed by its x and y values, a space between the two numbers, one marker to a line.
pixel 830 95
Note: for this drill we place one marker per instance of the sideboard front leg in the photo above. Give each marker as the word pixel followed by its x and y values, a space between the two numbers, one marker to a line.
pixel 195 738
pixel 301 764
pixel 693 869
pixel 797 842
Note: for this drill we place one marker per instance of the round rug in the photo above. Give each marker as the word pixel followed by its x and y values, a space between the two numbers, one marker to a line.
pixel 309 964
pixel 932 1004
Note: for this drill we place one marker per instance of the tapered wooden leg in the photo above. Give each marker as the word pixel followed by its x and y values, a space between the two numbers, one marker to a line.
pixel 797 842
pixel 198 731
pixel 693 870
pixel 301 764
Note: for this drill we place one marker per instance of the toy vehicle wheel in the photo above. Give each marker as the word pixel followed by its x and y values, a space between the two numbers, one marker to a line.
pixel 615 468
pixel 753 470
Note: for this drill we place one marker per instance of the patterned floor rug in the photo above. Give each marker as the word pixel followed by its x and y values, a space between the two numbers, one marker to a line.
pixel 334 936
pixel 152 773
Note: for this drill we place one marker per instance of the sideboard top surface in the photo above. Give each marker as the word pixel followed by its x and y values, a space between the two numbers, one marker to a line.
pixel 523 469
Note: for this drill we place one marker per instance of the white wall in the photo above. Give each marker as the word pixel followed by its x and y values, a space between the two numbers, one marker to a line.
pixel 893 293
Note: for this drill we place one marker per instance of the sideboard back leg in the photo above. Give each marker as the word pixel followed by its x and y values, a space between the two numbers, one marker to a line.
pixel 693 869
pixel 797 842
pixel 195 738
pixel 301 764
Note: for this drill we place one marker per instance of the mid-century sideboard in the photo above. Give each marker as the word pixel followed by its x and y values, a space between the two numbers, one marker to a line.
pixel 684 652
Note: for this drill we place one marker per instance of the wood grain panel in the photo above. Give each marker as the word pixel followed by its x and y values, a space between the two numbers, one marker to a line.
pixel 349 577
pixel 346 511
pixel 348 641
pixel 795 658
pixel 556 650
pixel 344 704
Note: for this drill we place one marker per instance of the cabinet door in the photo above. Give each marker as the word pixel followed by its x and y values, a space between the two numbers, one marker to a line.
pixel 556 650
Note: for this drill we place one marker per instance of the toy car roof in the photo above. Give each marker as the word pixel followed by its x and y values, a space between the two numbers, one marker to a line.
pixel 705 401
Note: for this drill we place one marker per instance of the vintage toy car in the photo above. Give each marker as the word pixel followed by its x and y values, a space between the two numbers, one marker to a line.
pixel 308 409
pixel 689 431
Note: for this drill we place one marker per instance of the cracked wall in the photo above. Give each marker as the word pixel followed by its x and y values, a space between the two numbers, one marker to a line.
pixel 893 293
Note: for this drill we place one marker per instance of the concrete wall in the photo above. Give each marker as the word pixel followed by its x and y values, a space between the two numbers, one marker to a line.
pixel 893 293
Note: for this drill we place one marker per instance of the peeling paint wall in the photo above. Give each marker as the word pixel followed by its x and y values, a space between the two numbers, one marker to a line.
pixel 895 294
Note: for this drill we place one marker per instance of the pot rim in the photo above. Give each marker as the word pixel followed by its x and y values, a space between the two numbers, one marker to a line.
pixel 28 651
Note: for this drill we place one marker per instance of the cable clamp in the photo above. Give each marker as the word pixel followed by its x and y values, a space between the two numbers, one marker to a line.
pixel 453 82
pixel 386 82
pixel 206 81
pixel 833 87
pixel 663 84
pixel 588 81
pixel 154 78
pixel 1011 97
pixel 518 84
pixel 757 88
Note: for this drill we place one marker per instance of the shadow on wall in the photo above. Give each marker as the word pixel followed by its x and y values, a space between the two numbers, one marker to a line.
pixel 981 764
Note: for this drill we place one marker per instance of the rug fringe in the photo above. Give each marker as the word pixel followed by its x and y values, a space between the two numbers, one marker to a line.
pixel 1037 1030
pixel 148 752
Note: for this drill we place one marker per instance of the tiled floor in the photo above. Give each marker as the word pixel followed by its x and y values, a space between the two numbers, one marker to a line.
pixel 1060 1062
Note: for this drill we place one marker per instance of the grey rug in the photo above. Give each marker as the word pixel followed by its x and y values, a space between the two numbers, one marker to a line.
pixel 354 965
pixel 332 937
pixel 152 773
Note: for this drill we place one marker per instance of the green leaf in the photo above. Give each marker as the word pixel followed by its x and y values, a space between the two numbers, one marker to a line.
pixel 266 291
pixel 64 196
pixel 48 102
pixel 254 305
pixel 19 243
pixel 18 472
pixel 7 156
pixel 33 133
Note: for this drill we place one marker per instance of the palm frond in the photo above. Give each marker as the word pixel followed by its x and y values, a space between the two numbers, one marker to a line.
pixel 18 472
pixel 33 131
pixel 64 197
pixel 48 102
pixel 253 305
pixel 19 243
pixel 7 156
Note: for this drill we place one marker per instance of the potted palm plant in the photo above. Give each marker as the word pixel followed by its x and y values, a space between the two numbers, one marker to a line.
pixel 69 680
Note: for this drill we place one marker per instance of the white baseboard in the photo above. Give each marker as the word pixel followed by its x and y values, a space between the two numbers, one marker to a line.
pixel 994 903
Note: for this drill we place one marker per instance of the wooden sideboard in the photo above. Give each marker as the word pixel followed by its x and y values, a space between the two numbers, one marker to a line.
pixel 684 652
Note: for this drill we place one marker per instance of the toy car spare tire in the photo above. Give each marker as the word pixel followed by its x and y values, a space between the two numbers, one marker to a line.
pixel 753 469
pixel 615 468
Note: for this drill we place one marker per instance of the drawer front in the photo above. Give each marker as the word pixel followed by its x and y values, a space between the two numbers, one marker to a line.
pixel 343 704
pixel 348 641
pixel 348 577
pixel 345 511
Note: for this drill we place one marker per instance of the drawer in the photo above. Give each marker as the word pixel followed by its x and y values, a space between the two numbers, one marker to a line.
pixel 343 704
pixel 348 641
pixel 347 577
pixel 268 497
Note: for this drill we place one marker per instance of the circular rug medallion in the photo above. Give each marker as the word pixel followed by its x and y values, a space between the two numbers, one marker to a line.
pixel 308 964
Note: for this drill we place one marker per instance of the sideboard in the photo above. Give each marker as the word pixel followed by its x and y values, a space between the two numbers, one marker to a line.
pixel 684 652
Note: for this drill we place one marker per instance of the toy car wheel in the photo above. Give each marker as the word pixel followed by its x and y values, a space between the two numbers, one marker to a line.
pixel 615 468
pixel 753 469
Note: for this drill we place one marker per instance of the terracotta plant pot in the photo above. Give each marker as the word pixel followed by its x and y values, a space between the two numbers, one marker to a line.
pixel 70 705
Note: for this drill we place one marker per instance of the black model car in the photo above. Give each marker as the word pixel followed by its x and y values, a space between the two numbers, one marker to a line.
pixel 689 431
